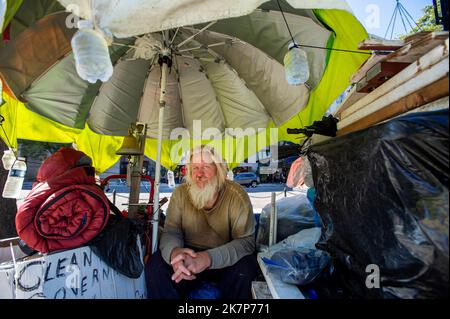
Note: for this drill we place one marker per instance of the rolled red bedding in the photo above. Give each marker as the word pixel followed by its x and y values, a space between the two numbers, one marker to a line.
pixel 63 211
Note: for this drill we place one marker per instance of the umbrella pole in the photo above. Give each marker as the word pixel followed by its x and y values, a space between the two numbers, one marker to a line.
pixel 135 175
pixel 162 105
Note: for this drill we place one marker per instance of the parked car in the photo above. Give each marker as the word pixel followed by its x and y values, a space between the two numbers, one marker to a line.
pixel 247 179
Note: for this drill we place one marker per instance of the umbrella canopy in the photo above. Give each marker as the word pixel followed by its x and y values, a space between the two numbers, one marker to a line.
pixel 228 74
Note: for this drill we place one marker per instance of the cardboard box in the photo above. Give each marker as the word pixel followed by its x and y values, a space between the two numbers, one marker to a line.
pixel 70 274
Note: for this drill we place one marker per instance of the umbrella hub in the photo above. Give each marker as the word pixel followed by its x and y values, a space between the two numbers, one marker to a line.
pixel 147 47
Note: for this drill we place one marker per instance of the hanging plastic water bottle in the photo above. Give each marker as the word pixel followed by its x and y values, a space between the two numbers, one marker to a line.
pixel 14 183
pixel 90 50
pixel 296 65
pixel 170 179
pixel 8 159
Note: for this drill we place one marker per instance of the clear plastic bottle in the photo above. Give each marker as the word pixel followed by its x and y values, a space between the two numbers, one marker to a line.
pixel 170 179
pixel 8 159
pixel 90 50
pixel 14 183
pixel 296 65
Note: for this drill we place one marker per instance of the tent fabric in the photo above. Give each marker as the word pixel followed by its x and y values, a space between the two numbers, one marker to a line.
pixel 34 44
pixel 21 123
pixel 154 15
pixel 117 103
pixel 22 14
pixel 347 33
pixel 260 25
pixel 336 78
pixel 11 8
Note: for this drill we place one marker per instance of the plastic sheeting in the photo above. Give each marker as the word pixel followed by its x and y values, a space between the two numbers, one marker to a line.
pixel 382 194
pixel 294 214
pixel 299 266
pixel 118 246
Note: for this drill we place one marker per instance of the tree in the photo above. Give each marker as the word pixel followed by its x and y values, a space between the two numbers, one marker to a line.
pixel 427 22
pixel 39 150
pixel 8 207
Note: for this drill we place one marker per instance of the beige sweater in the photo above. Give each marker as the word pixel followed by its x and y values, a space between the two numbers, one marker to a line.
pixel 226 231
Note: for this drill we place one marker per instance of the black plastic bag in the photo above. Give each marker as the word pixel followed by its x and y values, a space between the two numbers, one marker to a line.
pixel 117 245
pixel 382 194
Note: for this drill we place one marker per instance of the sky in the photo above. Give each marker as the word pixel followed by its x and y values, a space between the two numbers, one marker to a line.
pixel 376 14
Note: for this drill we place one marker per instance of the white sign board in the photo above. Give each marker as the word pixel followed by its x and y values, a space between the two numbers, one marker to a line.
pixel 71 274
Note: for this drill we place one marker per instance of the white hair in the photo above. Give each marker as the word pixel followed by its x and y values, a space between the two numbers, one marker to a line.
pixel 201 196
pixel 217 160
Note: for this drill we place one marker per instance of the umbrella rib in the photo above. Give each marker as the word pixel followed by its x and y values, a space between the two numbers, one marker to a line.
pixel 180 92
pixel 125 45
pixel 194 35
pixel 173 38
pixel 194 58
pixel 208 46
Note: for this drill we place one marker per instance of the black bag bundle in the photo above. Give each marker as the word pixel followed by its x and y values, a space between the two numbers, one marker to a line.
pixel 382 194
pixel 117 244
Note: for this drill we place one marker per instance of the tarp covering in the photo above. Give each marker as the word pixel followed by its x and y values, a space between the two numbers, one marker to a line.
pixel 382 194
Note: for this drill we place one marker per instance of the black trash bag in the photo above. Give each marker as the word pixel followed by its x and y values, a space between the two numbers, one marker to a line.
pixel 117 245
pixel 299 266
pixel 382 194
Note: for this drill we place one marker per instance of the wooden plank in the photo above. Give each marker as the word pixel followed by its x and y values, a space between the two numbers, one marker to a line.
pixel 382 45
pixel 278 288
pixel 351 98
pixel 420 97
pixel 417 36
pixel 426 62
pixel 378 74
pixel 374 59
pixel 260 290
pixel 423 79
pixel 439 104
pixel 415 49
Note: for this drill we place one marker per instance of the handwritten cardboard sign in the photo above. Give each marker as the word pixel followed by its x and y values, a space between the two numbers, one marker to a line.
pixel 71 274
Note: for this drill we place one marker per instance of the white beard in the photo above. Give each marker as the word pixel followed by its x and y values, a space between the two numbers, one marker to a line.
pixel 201 196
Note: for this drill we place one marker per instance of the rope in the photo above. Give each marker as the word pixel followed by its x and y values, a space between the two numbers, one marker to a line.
pixel 313 46
pixel 404 15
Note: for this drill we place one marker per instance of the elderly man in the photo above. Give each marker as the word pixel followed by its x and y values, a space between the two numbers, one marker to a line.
pixel 208 235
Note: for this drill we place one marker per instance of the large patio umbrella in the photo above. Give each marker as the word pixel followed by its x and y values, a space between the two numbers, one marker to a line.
pixel 227 73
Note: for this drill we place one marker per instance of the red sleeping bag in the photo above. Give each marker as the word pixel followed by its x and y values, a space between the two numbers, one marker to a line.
pixel 65 208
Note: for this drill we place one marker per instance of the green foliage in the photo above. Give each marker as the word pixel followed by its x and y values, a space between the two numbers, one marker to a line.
pixel 427 22
pixel 38 150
